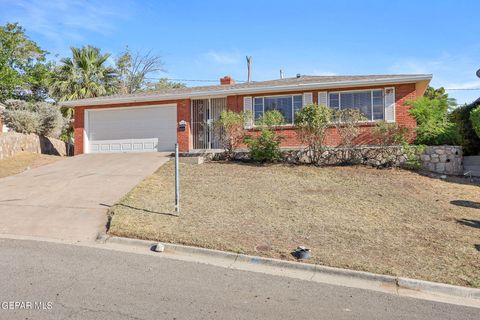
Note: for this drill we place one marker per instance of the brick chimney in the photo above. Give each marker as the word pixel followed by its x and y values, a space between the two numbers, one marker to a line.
pixel 227 80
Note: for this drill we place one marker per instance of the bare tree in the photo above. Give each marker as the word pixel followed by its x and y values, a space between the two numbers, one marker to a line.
pixel 134 69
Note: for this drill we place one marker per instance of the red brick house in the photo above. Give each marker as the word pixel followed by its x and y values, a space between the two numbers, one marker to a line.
pixel 156 120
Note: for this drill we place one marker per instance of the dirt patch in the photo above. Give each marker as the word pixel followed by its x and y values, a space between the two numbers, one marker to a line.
pixel 24 161
pixel 385 221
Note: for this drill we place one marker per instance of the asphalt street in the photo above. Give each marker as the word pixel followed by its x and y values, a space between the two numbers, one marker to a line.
pixel 42 280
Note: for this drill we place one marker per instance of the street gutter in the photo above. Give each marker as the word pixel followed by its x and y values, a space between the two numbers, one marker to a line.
pixel 401 286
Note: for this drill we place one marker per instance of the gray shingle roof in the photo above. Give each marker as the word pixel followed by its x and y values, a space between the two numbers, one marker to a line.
pixel 253 86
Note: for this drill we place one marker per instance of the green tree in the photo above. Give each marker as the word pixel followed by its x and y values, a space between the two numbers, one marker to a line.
pixel 469 140
pixel 84 75
pixel 433 124
pixel 439 94
pixel 312 122
pixel 23 68
pixel 475 119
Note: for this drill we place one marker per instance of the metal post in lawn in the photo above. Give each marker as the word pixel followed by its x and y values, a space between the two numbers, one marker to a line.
pixel 177 181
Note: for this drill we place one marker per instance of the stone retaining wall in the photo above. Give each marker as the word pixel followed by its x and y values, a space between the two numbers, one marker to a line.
pixel 443 159
pixel 377 156
pixel 13 142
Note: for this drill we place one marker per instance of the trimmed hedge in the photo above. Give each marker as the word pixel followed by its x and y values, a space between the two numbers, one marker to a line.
pixel 469 139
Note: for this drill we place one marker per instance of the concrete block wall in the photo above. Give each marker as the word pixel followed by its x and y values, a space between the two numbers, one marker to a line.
pixel 443 159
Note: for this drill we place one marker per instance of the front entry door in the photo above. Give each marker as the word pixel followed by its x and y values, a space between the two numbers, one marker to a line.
pixel 204 114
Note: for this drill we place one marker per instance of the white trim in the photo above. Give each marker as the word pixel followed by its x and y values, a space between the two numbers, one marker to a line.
pixel 385 105
pixel 86 118
pixel 248 91
pixel 357 90
pixel 326 95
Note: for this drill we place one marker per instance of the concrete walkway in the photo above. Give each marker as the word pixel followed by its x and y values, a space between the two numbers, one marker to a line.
pixel 68 199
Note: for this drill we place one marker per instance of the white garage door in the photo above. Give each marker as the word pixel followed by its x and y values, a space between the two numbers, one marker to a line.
pixel 138 129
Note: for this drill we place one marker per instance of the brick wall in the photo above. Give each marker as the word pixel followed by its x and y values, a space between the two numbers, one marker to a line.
pixel 403 92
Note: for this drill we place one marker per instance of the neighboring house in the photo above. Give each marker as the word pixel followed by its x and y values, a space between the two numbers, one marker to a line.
pixel 156 120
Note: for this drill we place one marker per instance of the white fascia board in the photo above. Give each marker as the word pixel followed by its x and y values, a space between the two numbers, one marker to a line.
pixel 243 91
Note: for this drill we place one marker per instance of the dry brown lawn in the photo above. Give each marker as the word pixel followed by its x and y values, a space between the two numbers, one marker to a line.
pixel 393 222
pixel 23 161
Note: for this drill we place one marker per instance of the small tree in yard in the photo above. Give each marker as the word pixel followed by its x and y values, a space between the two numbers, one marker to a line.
pixel 475 119
pixel 388 134
pixel 229 129
pixel 312 122
pixel 266 147
pixel 433 124
pixel 347 122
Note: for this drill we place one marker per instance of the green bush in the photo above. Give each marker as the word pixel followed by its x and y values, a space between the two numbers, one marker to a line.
pixel 469 139
pixel 475 119
pixel 413 153
pixel 229 130
pixel 266 146
pixel 433 124
pixel 312 122
pixel 271 119
pixel 387 134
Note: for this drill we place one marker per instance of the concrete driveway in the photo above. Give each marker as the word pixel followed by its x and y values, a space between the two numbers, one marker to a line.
pixel 68 199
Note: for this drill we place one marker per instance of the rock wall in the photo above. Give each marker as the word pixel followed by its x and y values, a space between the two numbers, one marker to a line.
pixel 377 156
pixel 13 142
pixel 443 159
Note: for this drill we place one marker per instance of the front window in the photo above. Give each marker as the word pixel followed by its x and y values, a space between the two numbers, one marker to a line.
pixel 370 103
pixel 287 105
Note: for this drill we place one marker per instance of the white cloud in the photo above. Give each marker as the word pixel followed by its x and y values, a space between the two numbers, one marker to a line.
pixel 224 57
pixel 63 21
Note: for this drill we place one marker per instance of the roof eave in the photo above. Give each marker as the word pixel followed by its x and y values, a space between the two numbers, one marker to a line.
pixel 244 91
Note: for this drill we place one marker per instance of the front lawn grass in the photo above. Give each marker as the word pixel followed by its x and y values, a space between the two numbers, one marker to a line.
pixel 23 161
pixel 385 221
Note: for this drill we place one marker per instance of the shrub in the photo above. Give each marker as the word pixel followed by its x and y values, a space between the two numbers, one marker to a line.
pixel 266 146
pixel 475 119
pixel 433 124
pixel 40 118
pixel 22 121
pixel 229 129
pixel 468 137
pixel 312 122
pixel 51 121
pixel 388 134
pixel 413 153
pixel 271 119
pixel 347 122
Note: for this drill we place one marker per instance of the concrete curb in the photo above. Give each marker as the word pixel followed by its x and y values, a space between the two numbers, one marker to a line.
pixel 313 270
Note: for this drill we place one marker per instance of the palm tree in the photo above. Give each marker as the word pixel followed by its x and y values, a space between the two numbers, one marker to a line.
pixel 85 75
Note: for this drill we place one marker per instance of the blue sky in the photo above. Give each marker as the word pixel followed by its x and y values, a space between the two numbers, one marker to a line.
pixel 210 39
